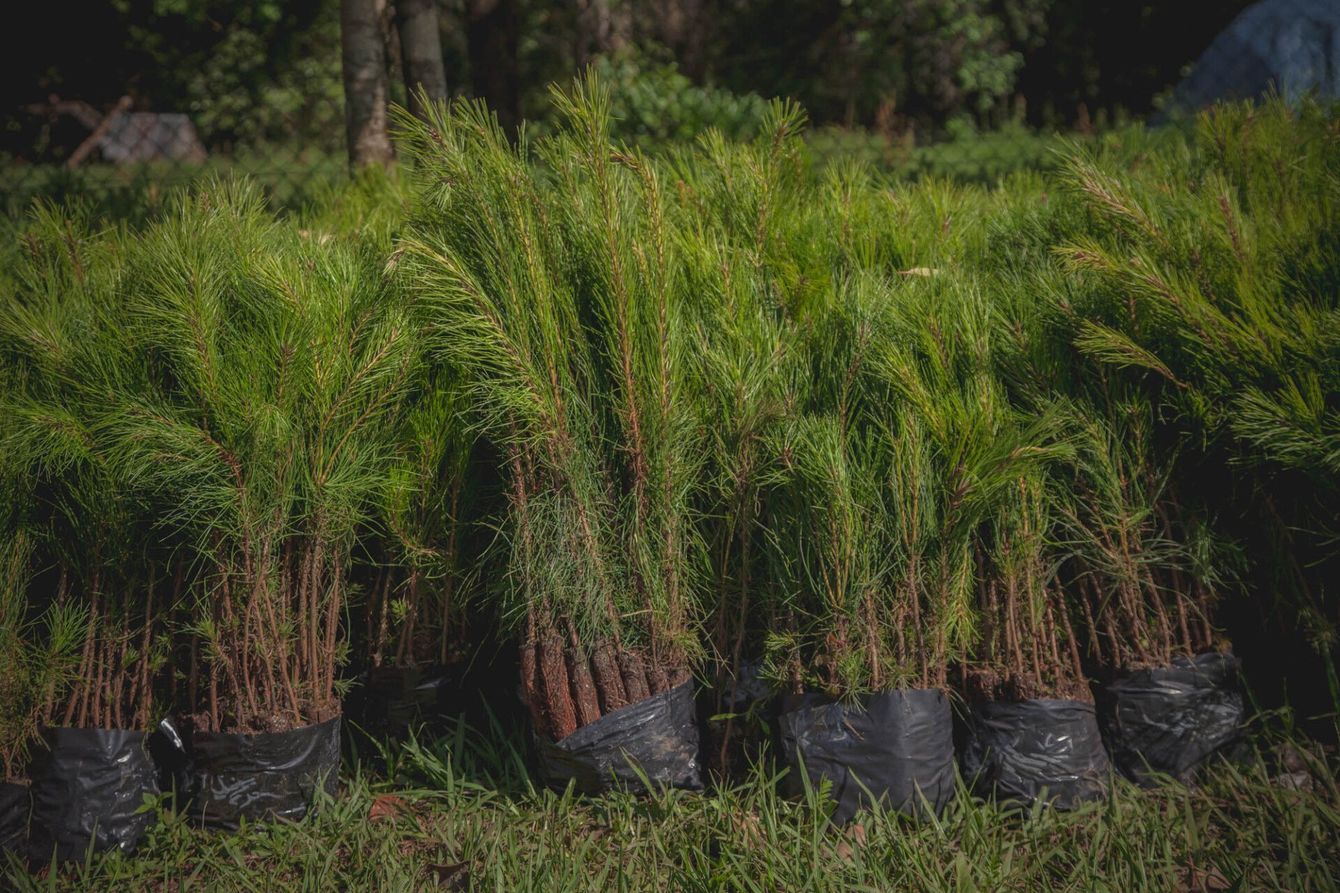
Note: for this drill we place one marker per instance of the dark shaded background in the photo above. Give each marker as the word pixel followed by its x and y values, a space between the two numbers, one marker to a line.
pixel 893 65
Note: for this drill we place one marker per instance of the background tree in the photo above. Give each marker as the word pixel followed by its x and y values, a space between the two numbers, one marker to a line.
pixel 421 51
pixel 493 29
pixel 365 82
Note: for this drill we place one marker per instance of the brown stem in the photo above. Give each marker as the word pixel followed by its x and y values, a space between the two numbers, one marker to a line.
pixel 193 681
pixel 1076 664
pixel 557 697
pixel 404 653
pixel 584 695
pixel 449 585
pixel 333 608
pixel 1095 646
pixel 532 687
pixel 117 678
pixel 609 683
pixel 1049 618
pixel 244 653
pixel 634 672
pixel 77 706
pixel 100 712
pixel 214 697
pixel 281 652
pixel 139 690
pixel 914 603
pixel 1012 637
pixel 1166 638
pixel 382 600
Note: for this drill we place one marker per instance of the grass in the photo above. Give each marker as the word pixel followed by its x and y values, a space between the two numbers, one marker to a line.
pixel 460 813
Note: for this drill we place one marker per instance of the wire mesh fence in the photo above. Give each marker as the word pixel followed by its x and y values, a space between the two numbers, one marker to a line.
pixel 124 159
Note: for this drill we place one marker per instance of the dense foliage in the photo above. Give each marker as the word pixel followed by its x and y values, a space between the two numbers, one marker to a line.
pixel 655 416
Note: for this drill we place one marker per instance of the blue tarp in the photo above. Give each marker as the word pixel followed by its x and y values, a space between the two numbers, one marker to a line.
pixel 1291 47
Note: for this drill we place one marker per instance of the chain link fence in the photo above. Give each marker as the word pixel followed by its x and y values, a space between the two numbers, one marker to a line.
pixel 123 159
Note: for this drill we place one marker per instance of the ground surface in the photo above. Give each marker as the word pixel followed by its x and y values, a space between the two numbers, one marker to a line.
pixel 460 814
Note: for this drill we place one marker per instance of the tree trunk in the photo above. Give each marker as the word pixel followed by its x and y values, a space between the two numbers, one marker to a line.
pixel 421 52
pixel 682 26
pixel 365 84
pixel 493 34
pixel 603 26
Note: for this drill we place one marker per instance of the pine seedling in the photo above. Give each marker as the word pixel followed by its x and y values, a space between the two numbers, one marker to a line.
pixel 415 612
pixel 261 440
pixel 1027 646
pixel 64 332
pixel 1144 599
pixel 553 276
pixel 39 651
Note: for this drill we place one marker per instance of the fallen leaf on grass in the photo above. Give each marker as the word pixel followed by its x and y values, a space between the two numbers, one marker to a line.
pixel 388 806
pixel 855 837
pixel 747 826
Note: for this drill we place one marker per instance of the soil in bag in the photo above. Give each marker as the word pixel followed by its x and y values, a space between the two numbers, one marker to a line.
pixel 1038 749
pixel 15 804
pixel 657 738
pixel 87 789
pixel 1171 720
pixel 262 776
pixel 895 748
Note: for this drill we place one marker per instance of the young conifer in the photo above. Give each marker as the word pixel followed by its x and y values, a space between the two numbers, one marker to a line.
pixel 63 332
pixel 558 293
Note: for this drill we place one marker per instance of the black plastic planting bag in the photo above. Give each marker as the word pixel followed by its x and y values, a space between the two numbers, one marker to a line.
pixel 87 787
pixel 1170 720
pixel 656 737
pixel 896 748
pixel 1040 749
pixel 15 804
pixel 268 775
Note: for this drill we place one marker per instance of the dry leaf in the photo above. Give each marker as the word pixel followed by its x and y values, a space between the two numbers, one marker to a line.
pixel 388 806
pixel 857 834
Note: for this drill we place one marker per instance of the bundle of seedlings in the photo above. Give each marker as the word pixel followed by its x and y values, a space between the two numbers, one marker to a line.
pixel 1035 733
pixel 867 590
pixel 979 503
pixel 1208 283
pixel 61 330
pixel 1149 577
pixel 414 616
pixel 857 715
pixel 260 440
pixel 751 213
pixel 553 273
